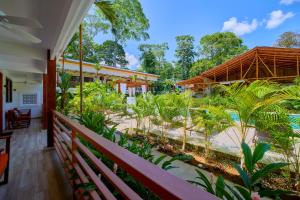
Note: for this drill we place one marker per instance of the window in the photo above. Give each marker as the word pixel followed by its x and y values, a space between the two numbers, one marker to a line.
pixel 29 99
pixel 9 90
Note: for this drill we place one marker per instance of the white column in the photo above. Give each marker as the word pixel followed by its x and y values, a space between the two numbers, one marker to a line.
pixel 123 88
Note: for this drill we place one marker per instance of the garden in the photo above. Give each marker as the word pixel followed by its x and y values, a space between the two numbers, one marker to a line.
pixel 241 140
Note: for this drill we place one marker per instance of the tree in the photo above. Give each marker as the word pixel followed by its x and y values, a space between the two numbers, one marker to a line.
pixel 221 46
pixel 148 62
pixel 185 53
pixel 97 67
pixel 89 47
pixel 131 23
pixel 112 53
pixel 288 40
pixel 64 84
pixel 184 104
pixel 94 25
pixel 153 57
pixel 213 119
pixel 166 71
pixel 257 106
pixel 200 66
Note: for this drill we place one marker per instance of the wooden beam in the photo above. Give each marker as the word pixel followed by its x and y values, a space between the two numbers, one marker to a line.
pixel 51 97
pixel 249 68
pixel 80 67
pixel 266 66
pixel 256 57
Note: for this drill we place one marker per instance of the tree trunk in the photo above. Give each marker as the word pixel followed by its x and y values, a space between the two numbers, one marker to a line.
pixel 184 138
pixel 206 146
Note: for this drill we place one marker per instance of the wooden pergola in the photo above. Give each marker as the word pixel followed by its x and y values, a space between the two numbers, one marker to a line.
pixel 259 63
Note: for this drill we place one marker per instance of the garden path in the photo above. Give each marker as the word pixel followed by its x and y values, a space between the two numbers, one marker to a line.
pixel 227 141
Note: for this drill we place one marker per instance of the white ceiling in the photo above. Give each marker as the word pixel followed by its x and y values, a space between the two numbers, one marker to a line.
pixel 59 19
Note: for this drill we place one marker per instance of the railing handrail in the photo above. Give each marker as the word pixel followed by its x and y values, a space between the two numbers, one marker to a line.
pixel 162 183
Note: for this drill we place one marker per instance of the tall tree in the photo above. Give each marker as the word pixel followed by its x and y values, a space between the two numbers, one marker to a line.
pixel 148 62
pixel 221 46
pixel 153 57
pixel 185 53
pixel 288 40
pixel 112 53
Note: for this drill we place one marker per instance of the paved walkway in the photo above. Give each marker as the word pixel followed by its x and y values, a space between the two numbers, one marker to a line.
pixel 227 141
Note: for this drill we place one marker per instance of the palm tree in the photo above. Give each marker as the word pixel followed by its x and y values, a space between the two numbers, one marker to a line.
pixel 184 104
pixel 253 104
pixel 97 67
pixel 210 119
pixel 166 111
pixel 64 85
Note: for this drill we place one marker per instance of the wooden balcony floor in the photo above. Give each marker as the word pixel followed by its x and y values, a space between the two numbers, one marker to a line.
pixel 35 171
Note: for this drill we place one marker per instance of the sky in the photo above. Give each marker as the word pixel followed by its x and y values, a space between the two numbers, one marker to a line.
pixel 257 22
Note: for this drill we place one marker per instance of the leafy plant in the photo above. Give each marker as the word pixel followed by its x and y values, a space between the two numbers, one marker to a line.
pixel 210 119
pixel 260 101
pixel 217 188
pixel 251 175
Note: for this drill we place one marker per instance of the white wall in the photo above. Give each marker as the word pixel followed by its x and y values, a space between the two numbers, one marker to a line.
pixel 20 88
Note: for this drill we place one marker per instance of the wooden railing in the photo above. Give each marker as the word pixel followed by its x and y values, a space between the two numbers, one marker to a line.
pixel 74 154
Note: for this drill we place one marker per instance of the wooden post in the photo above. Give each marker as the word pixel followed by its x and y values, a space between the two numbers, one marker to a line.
pixel 45 116
pixel 51 96
pixel 80 67
pixel 256 66
pixel 275 70
pixel 298 66
pixel 119 87
pixel 1 101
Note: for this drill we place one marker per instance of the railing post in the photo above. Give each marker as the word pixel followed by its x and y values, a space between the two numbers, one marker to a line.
pixel 73 150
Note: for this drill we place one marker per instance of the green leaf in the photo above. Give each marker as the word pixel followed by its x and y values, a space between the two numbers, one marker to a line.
pixel 198 183
pixel 259 152
pixel 220 189
pixel 248 157
pixel 202 177
pixel 234 192
pixel 244 176
pixel 266 170
pixel 244 192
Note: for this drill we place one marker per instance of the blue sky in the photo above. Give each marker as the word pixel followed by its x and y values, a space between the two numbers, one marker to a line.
pixel 257 22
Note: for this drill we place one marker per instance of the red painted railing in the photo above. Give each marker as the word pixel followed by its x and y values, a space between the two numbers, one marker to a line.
pixel 74 155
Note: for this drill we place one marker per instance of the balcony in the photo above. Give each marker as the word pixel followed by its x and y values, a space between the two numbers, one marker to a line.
pixel 35 171
pixel 90 170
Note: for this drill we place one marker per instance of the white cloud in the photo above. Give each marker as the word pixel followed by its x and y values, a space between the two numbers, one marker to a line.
pixel 133 61
pixel 288 2
pixel 239 28
pixel 277 17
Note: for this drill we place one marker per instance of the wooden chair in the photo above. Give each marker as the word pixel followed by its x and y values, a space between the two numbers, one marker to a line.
pixel 18 118
pixel 4 156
